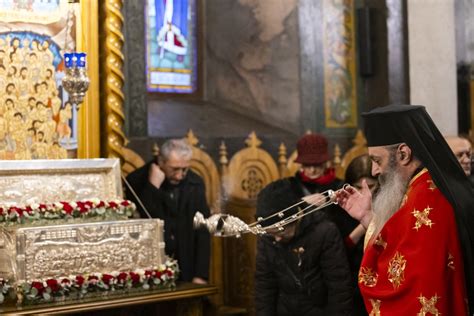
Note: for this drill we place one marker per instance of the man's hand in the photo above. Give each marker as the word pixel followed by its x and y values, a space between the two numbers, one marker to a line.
pixel 155 175
pixel 357 203
pixel 197 280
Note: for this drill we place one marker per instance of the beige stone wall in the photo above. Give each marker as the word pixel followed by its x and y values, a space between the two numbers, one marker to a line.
pixel 432 60
pixel 252 59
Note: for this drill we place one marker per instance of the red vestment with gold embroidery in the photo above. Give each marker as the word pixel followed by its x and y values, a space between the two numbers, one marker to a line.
pixel 414 266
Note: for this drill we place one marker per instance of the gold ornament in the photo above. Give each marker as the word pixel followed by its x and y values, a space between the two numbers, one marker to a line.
pixel 422 218
pixel 396 270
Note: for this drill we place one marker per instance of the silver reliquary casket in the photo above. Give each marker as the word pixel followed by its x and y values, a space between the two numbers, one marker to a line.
pixel 66 218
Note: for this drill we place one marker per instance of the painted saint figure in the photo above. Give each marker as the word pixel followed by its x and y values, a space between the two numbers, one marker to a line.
pixel 170 37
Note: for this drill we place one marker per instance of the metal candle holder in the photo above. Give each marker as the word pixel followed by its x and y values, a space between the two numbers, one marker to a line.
pixel 76 82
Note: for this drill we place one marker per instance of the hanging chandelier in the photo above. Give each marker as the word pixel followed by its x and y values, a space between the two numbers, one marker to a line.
pixel 75 82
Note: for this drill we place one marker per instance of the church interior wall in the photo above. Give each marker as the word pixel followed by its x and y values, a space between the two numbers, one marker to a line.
pixel 256 76
pixel 433 60
pixel 253 59
pixel 464 10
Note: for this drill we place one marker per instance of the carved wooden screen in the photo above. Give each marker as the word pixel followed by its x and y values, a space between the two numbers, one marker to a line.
pixel 359 148
pixel 249 171
pixel 204 166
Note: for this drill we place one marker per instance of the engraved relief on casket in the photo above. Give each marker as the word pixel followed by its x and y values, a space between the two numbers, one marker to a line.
pixel 41 181
pixel 102 247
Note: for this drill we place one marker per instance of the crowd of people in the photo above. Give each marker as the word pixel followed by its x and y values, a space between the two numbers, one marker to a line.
pixel 411 199
pixel 396 242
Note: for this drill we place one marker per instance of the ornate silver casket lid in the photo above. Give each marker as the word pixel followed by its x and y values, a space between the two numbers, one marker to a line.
pixel 39 250
pixel 24 182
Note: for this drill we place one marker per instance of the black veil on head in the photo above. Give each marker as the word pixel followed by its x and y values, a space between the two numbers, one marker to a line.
pixel 411 124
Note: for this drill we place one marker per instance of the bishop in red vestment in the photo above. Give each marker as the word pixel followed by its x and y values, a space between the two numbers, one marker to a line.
pixel 414 265
pixel 419 257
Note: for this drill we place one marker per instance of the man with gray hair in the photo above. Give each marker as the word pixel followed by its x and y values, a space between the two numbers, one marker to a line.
pixel 462 149
pixel 419 253
pixel 169 190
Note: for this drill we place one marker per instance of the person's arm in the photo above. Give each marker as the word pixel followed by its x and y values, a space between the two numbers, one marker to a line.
pixel 151 196
pixel 197 280
pixel 202 240
pixel 336 272
pixel 266 284
pixel 156 176
pixel 357 203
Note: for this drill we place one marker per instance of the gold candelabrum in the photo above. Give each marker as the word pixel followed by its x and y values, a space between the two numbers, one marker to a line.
pixel 75 82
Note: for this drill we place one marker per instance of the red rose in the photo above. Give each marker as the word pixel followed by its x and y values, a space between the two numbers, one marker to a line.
pixel 80 280
pixel 101 204
pixel 158 273
pixel 28 209
pixel 53 285
pixel 38 286
pixel 125 203
pixel 16 210
pixel 169 272
pixel 107 278
pixel 67 207
pixel 93 279
pixel 112 204
pixel 122 277
pixel 148 273
pixel 135 277
pixel 88 204
pixel 65 282
pixel 82 207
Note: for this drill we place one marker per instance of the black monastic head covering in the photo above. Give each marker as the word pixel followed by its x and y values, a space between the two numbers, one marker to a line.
pixel 411 124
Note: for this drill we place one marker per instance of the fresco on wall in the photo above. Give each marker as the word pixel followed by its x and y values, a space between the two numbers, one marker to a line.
pixel 36 121
pixel 340 102
pixel 171 46
pixel 253 59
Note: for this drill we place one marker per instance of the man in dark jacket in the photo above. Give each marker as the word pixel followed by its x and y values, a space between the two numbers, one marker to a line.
pixel 303 269
pixel 173 193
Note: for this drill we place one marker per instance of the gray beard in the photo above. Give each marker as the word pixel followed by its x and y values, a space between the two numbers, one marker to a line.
pixel 389 197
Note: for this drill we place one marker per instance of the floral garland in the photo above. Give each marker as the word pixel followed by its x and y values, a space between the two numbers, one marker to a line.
pixel 59 210
pixel 163 276
pixel 4 288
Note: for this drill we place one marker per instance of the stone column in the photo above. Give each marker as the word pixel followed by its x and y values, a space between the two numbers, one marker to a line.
pixel 432 60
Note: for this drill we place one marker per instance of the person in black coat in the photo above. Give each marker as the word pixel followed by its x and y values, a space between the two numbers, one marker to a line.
pixel 302 270
pixel 316 175
pixel 169 190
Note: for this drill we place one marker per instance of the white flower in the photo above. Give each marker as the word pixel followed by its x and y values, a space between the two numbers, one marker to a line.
pixel 114 274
